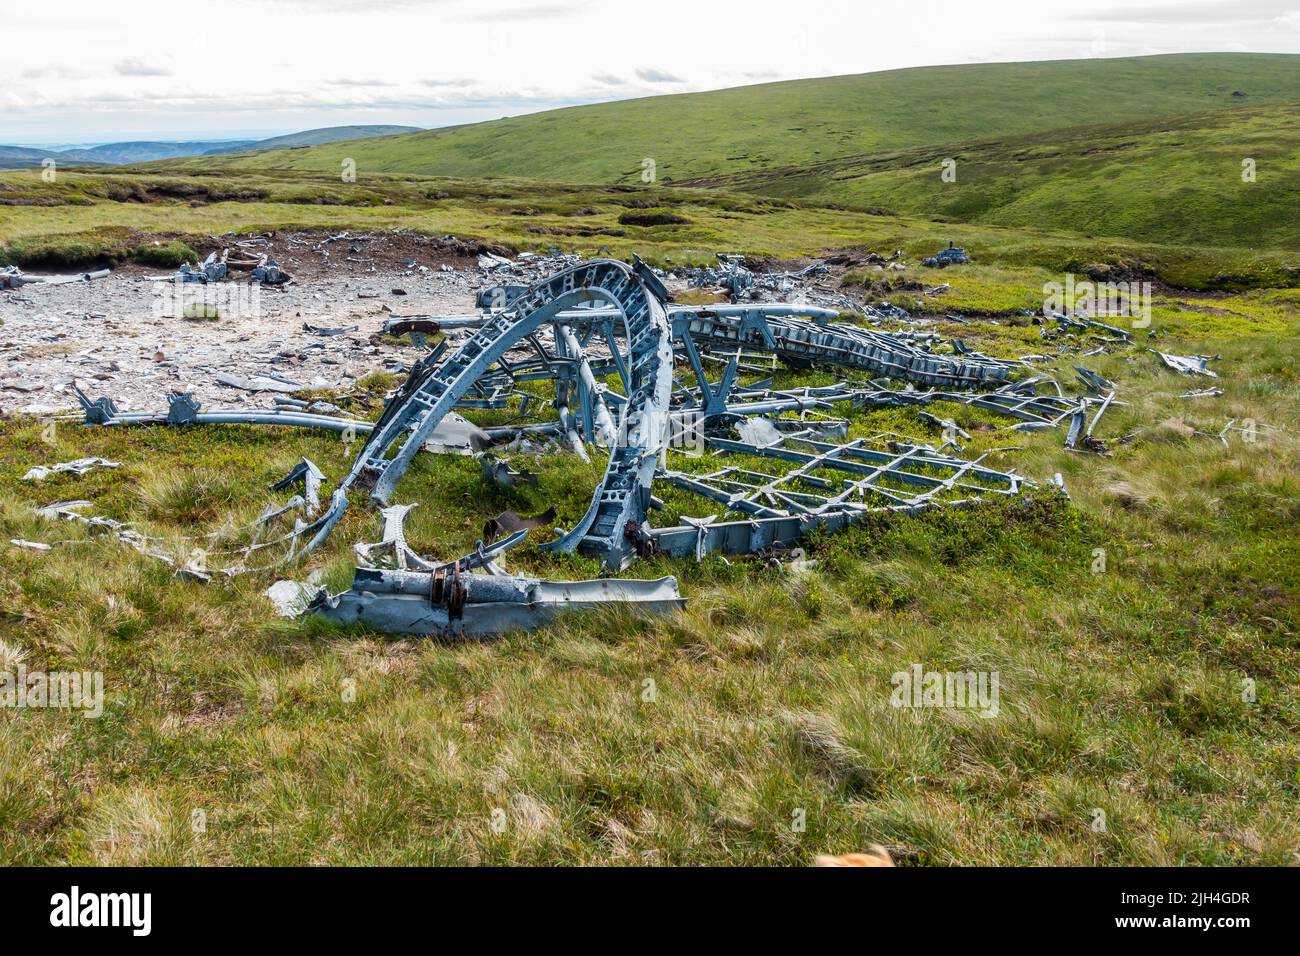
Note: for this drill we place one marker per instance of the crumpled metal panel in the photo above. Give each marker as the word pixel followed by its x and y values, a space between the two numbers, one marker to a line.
pixel 401 602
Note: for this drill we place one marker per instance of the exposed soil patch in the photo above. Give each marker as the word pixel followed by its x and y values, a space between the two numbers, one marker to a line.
pixel 311 255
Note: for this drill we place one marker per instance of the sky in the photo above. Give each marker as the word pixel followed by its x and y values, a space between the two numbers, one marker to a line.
pixel 90 71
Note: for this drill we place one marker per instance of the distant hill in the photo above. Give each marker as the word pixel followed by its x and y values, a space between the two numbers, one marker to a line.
pixel 23 157
pixel 1148 147
pixel 329 134
pixel 806 121
pixel 112 154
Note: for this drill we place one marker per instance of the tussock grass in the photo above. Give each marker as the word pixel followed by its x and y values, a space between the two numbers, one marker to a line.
pixel 1011 263
pixel 753 727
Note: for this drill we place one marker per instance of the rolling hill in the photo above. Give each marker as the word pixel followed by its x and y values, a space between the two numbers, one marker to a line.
pixel 327 134
pixel 145 151
pixel 805 121
pixel 25 157
pixel 1147 148
pixel 1166 180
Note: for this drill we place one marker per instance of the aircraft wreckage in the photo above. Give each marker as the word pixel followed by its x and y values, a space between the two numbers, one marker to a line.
pixel 605 319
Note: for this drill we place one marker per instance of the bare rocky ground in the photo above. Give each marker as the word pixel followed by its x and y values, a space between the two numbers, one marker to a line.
pixel 130 337
pixel 127 336
pixel 110 338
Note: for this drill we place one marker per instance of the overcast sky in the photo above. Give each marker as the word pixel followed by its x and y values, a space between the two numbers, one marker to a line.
pixel 81 71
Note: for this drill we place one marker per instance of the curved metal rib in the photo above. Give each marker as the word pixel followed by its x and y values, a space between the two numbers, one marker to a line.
pixel 434 387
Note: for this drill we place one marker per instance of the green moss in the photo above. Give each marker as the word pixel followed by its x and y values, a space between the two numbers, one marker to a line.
pixel 164 255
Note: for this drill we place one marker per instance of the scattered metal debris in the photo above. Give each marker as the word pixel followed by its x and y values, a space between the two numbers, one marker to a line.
pixel 80 466
pixel 310 477
pixel 261 383
pixel 290 597
pixel 599 321
pixel 328 332
pixel 11 277
pixel 508 523
pixel 210 269
pixel 952 256
pixel 1189 364
pixel 500 471
pixel 29 545
pixel 1094 382
pixel 1081 324
pixel 268 272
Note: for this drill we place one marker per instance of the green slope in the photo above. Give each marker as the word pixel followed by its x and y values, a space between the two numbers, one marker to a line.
pixel 1166 180
pixel 803 121
pixel 327 134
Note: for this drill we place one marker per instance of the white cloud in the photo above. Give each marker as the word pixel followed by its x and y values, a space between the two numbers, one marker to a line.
pixel 356 83
pixel 134 66
pixel 297 64
pixel 52 72
pixel 651 75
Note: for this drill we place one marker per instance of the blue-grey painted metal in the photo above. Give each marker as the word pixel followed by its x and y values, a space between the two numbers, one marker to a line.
pixel 799 341
pixel 485 606
pixel 437 383
pixel 184 409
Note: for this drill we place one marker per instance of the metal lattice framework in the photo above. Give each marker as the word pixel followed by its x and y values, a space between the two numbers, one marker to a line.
pixel 830 485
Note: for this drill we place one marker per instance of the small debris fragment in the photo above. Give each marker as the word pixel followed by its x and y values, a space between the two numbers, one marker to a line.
pixel 290 597
pixel 325 332
pixel 952 256
pixel 499 470
pixel 260 383
pixel 78 467
pixel 508 522
pixel 1189 364
pixel 31 545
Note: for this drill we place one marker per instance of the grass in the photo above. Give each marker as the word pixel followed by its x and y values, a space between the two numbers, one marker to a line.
pixel 755 726
pixel 78 221
pixel 800 121
pixel 1162 180
pixel 768 698
pixel 1148 147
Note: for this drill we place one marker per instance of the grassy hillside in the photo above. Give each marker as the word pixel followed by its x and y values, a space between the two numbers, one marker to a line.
pixel 1170 180
pixel 802 121
pixel 113 154
pixel 90 217
pixel 327 134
